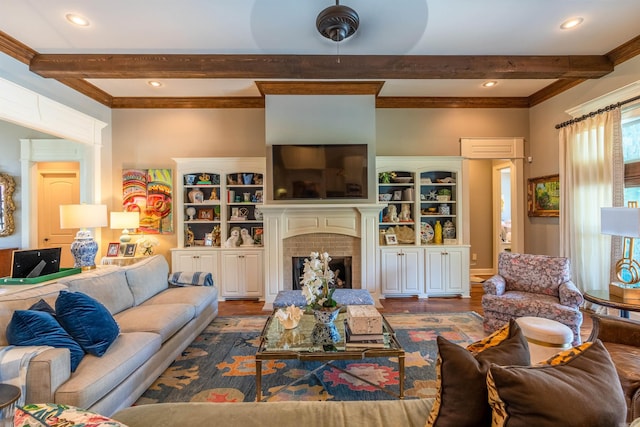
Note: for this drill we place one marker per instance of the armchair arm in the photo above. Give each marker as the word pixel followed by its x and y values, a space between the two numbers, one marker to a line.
pixel 615 330
pixel 46 372
pixel 495 285
pixel 570 295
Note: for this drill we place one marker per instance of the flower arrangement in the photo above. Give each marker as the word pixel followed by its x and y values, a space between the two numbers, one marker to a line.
pixel 146 244
pixel 316 280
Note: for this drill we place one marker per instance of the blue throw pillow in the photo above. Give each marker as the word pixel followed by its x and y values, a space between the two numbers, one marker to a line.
pixel 42 305
pixel 87 321
pixel 31 327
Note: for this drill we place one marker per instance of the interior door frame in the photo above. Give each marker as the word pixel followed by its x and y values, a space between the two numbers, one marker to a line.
pixel 517 213
pixel 509 150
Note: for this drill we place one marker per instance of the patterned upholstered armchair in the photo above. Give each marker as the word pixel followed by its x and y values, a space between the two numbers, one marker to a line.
pixel 532 285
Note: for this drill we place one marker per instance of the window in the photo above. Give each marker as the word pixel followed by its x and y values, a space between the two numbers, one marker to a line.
pixel 631 153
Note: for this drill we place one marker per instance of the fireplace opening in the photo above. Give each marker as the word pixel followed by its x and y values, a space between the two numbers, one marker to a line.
pixel 340 265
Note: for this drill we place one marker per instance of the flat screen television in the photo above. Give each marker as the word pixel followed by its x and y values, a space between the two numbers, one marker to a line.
pixel 35 262
pixel 319 172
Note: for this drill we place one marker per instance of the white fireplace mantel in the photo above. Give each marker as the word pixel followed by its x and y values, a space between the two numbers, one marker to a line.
pixel 282 221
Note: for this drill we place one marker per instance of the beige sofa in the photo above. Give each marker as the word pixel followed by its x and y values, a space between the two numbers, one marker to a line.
pixel 157 323
pixel 405 413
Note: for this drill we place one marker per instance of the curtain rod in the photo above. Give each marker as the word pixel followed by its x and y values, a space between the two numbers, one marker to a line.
pixel 594 113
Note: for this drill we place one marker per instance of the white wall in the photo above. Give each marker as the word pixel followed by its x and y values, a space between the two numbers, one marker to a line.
pixel 542 234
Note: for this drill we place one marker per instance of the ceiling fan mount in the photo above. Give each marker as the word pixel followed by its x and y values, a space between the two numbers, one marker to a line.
pixel 337 22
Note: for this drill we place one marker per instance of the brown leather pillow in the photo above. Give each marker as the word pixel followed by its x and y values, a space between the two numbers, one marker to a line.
pixel 462 391
pixel 578 387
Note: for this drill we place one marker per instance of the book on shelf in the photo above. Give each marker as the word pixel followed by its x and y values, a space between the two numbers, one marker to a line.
pixel 351 337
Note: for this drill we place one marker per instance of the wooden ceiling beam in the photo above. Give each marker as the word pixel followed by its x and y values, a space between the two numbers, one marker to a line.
pixel 89 90
pixel 319 88
pixel 625 51
pixel 259 102
pixel 16 49
pixel 552 90
pixel 188 102
pixel 451 102
pixel 126 66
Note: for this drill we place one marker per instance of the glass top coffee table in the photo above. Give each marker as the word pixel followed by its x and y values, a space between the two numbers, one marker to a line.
pixel 278 343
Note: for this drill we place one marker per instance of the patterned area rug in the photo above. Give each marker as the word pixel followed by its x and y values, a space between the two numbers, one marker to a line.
pixel 219 366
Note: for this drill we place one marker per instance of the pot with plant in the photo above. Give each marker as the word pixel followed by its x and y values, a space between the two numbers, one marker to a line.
pixel 444 195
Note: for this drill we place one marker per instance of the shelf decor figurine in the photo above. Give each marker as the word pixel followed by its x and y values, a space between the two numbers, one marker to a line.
pixel 437 239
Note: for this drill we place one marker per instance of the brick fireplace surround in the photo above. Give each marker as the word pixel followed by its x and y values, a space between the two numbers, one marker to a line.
pixel 341 230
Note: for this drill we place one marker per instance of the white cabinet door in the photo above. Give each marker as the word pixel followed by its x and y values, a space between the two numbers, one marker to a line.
pixel 242 274
pixel 402 271
pixel 190 260
pixel 446 268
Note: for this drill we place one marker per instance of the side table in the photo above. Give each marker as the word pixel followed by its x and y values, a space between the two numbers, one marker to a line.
pixel 603 297
pixel 121 260
pixel 9 394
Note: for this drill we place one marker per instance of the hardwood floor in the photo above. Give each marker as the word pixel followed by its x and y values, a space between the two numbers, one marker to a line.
pixel 395 305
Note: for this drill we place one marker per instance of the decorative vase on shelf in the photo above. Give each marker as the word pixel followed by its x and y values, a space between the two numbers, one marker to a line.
pixel 437 238
pixel 448 230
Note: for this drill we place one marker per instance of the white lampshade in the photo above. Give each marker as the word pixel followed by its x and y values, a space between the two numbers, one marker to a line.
pixel 125 220
pixel 83 216
pixel 623 222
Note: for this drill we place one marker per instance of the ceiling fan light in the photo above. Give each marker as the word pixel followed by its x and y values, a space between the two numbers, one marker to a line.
pixel 571 23
pixel 337 22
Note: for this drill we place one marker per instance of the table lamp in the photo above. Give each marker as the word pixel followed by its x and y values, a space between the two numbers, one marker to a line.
pixel 126 221
pixel 84 248
pixel 624 222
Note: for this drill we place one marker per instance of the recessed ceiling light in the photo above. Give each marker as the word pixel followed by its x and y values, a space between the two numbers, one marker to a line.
pixel 78 20
pixel 571 23
pixel 154 83
pixel 490 83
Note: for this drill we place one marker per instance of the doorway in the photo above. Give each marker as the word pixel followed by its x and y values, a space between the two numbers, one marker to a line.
pixel 58 184
pixel 503 209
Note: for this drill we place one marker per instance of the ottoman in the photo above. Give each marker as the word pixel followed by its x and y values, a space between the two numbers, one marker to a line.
pixel 342 297
pixel 545 337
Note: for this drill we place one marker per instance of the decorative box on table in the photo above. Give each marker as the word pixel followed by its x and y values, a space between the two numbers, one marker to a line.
pixel 625 291
pixel 364 319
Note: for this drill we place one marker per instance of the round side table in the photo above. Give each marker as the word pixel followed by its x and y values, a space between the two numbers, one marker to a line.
pixel 9 394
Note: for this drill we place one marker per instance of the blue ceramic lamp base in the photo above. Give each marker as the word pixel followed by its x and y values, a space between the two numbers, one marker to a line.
pixel 84 250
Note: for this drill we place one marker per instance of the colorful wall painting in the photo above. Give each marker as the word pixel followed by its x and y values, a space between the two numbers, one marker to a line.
pixel 149 192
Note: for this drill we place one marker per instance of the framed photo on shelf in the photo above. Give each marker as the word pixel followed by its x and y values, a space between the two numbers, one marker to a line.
pixel 114 249
pixel 205 214
pixel 130 249
pixel 543 196
pixel 397 195
pixel 259 196
pixel 390 239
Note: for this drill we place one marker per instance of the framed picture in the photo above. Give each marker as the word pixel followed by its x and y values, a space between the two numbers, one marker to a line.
pixel 208 239
pixel 543 196
pixel 391 239
pixel 397 195
pixel 258 196
pixel 205 214
pixel 114 249
pixel 130 249
pixel 257 233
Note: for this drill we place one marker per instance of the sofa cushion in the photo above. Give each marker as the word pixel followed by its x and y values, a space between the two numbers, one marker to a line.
pixel 32 327
pixel 42 305
pixel 55 415
pixel 148 277
pixel 198 296
pixel 97 376
pixel 22 300
pixel 519 304
pixel 107 284
pixel 87 321
pixel 165 319
pixel 578 387
pixel 626 359
pixel 462 392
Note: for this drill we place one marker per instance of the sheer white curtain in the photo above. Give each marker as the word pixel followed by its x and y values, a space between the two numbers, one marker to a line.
pixel 591 173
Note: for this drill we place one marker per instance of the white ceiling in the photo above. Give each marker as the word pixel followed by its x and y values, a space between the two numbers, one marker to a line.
pixel 400 27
